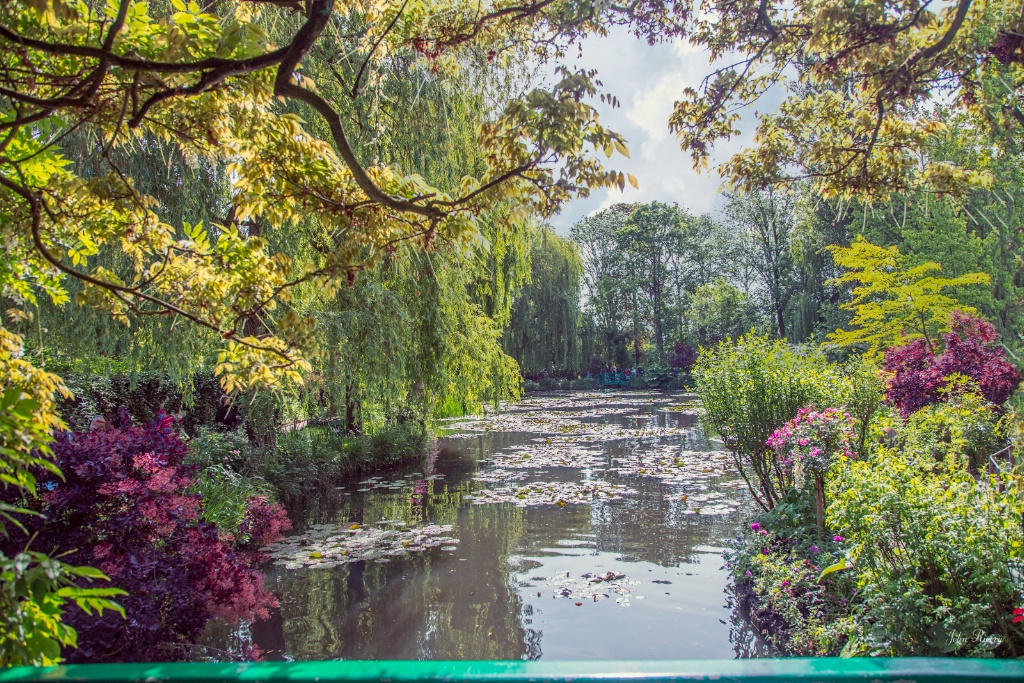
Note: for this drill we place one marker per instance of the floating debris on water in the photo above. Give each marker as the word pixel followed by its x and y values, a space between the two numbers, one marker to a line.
pixel 594 587
pixel 328 545
pixel 558 493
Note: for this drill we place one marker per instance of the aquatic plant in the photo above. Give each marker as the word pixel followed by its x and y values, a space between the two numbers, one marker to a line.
pixel 558 493
pixel 329 545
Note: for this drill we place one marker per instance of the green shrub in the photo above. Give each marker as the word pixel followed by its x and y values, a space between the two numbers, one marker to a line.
pixel 225 480
pixel 749 389
pixel 866 391
pixel 926 559
pixel 956 435
pixel 307 459
pixel 937 558
pixel 143 394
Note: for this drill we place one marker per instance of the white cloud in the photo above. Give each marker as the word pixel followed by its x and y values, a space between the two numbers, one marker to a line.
pixel 647 80
pixel 652 107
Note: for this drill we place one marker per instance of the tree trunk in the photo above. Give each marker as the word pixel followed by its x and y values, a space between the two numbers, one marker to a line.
pixel 659 335
pixel 819 495
pixel 353 424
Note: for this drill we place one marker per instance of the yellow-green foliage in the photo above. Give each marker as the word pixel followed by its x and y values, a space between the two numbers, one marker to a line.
pixel 750 388
pixel 856 114
pixel 891 302
pixel 933 556
pixel 34 588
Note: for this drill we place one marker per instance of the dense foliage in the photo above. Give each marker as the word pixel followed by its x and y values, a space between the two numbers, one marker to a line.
pixel 751 388
pixel 914 550
pixel 545 328
pixel 921 377
pixel 953 585
pixel 122 506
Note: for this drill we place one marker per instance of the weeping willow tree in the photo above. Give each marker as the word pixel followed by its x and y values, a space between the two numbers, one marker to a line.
pixel 546 329
pixel 421 330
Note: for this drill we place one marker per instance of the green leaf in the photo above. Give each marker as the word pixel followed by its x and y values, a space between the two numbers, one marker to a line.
pixel 837 567
pixel 89 573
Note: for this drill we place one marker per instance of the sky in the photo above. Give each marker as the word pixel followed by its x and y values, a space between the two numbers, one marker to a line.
pixel 647 80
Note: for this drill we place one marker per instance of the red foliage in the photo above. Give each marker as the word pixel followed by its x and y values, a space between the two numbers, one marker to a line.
pixel 263 522
pixel 918 376
pixel 122 508
pixel 683 357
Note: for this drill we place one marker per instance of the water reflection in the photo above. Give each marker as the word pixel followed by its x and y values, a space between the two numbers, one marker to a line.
pixel 493 597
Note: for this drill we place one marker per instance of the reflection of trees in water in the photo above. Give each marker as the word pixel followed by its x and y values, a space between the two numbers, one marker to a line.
pixel 438 607
pixel 478 614
pixel 746 642
pixel 647 527
pixel 427 606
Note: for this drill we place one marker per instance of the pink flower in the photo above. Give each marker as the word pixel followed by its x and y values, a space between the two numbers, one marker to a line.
pixel 838 539
pixel 785 584
pixel 755 526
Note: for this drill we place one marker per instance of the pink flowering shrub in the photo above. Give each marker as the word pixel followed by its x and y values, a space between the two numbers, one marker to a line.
pixel 812 440
pixel 809 444
pixel 920 377
pixel 263 522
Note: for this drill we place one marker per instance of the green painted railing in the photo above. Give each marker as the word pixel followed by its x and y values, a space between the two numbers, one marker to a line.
pixel 825 670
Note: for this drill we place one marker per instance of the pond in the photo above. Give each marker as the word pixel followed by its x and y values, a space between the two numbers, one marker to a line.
pixel 571 526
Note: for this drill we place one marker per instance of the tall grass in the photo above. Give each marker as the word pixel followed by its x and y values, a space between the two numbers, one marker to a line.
pixel 308 459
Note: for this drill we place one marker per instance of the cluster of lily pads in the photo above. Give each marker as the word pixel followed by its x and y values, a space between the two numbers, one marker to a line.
pixel 675 466
pixel 551 493
pixel 704 503
pixel 395 484
pixel 594 587
pixel 548 454
pixel 559 415
pixel 329 545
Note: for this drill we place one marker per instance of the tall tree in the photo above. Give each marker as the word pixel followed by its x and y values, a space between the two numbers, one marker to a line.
pixel 545 331
pixel 764 220
pixel 650 237
pixel 893 302
pixel 604 274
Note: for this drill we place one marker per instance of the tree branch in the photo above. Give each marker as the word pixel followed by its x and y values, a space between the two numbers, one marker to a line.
pixel 320 12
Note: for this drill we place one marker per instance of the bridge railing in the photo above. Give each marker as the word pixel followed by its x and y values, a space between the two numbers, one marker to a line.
pixel 823 670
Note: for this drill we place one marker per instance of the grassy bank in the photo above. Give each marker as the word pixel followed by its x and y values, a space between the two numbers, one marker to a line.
pixel 317 456
pixel 302 461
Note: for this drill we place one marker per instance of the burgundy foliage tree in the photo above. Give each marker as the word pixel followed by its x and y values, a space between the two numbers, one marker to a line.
pixel 683 357
pixel 122 508
pixel 919 377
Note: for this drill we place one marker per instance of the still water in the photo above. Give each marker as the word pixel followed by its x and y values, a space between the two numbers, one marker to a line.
pixel 582 526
